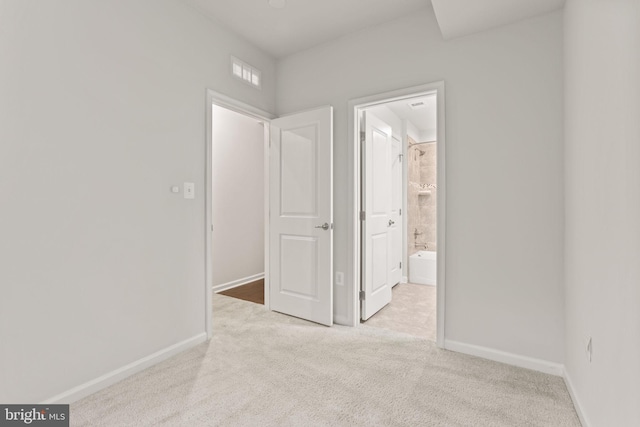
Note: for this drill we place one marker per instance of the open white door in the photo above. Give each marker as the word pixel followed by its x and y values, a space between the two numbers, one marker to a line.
pixel 377 221
pixel 301 215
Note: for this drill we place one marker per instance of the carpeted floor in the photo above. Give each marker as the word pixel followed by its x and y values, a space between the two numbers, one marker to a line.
pixel 412 311
pixel 266 369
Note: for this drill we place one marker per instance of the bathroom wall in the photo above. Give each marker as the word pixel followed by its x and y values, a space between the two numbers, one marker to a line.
pixel 413 164
pixel 385 114
pixel 422 161
pixel 421 135
pixel 427 203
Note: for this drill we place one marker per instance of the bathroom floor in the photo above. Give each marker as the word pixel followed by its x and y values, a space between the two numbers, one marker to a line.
pixel 412 311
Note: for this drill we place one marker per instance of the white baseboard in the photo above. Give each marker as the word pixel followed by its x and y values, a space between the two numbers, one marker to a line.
pixel 119 374
pixel 405 279
pixel 509 358
pixel 236 283
pixel 576 402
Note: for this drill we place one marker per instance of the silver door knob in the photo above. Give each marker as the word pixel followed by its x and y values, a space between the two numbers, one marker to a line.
pixel 324 226
pixel 391 222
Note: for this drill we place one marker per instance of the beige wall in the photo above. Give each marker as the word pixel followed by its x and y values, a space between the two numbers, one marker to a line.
pixel 427 203
pixel 422 163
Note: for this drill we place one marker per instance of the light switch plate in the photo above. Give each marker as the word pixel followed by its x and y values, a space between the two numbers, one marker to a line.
pixel 189 190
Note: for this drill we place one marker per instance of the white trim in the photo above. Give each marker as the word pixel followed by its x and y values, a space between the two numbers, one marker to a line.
pixel 238 106
pixel 405 201
pixel 125 371
pixel 340 320
pixel 215 98
pixel 353 229
pixel 574 397
pixel 235 283
pixel 307 110
pixel 267 217
pixel 441 221
pixel 353 240
pixel 539 365
pixel 208 209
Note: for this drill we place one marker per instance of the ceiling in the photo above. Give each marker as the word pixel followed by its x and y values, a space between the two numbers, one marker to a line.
pixel 458 18
pixel 302 24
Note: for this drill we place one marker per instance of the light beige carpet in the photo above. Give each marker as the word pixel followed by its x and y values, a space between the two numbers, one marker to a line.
pixel 412 311
pixel 266 369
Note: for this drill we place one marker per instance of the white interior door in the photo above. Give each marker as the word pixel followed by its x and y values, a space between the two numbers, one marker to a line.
pixel 301 215
pixel 395 231
pixel 377 220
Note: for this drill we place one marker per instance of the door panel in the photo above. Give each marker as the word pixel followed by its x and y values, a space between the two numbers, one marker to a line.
pixel 300 278
pixel 299 180
pixel 380 172
pixel 300 187
pixel 376 200
pixel 379 254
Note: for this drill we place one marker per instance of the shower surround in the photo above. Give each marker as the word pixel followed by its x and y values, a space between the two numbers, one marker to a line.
pixel 421 196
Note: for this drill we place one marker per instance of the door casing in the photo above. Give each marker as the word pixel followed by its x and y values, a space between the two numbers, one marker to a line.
pixel 355 185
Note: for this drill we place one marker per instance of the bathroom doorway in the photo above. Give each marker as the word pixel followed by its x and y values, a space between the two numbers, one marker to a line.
pixel 400 231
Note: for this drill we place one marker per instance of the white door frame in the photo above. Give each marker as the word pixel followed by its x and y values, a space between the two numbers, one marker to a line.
pixel 215 98
pixel 355 185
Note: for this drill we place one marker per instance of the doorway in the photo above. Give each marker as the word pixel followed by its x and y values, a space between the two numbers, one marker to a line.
pixel 399 234
pixel 226 119
pixel 297 209
pixel 238 205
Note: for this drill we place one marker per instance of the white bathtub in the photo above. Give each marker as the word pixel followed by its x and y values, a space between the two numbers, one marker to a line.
pixel 422 268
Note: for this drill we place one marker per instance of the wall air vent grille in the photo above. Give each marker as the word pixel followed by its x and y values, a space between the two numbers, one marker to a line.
pixel 417 105
pixel 245 72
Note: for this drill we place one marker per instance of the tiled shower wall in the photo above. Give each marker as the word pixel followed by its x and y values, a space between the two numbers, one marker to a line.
pixel 421 196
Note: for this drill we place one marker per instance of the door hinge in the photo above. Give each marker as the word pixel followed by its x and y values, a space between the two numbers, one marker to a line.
pixel 362 296
pixel 400 156
pixel 363 136
pixel 363 215
pixel 400 212
pixel 211 227
pixel 401 265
